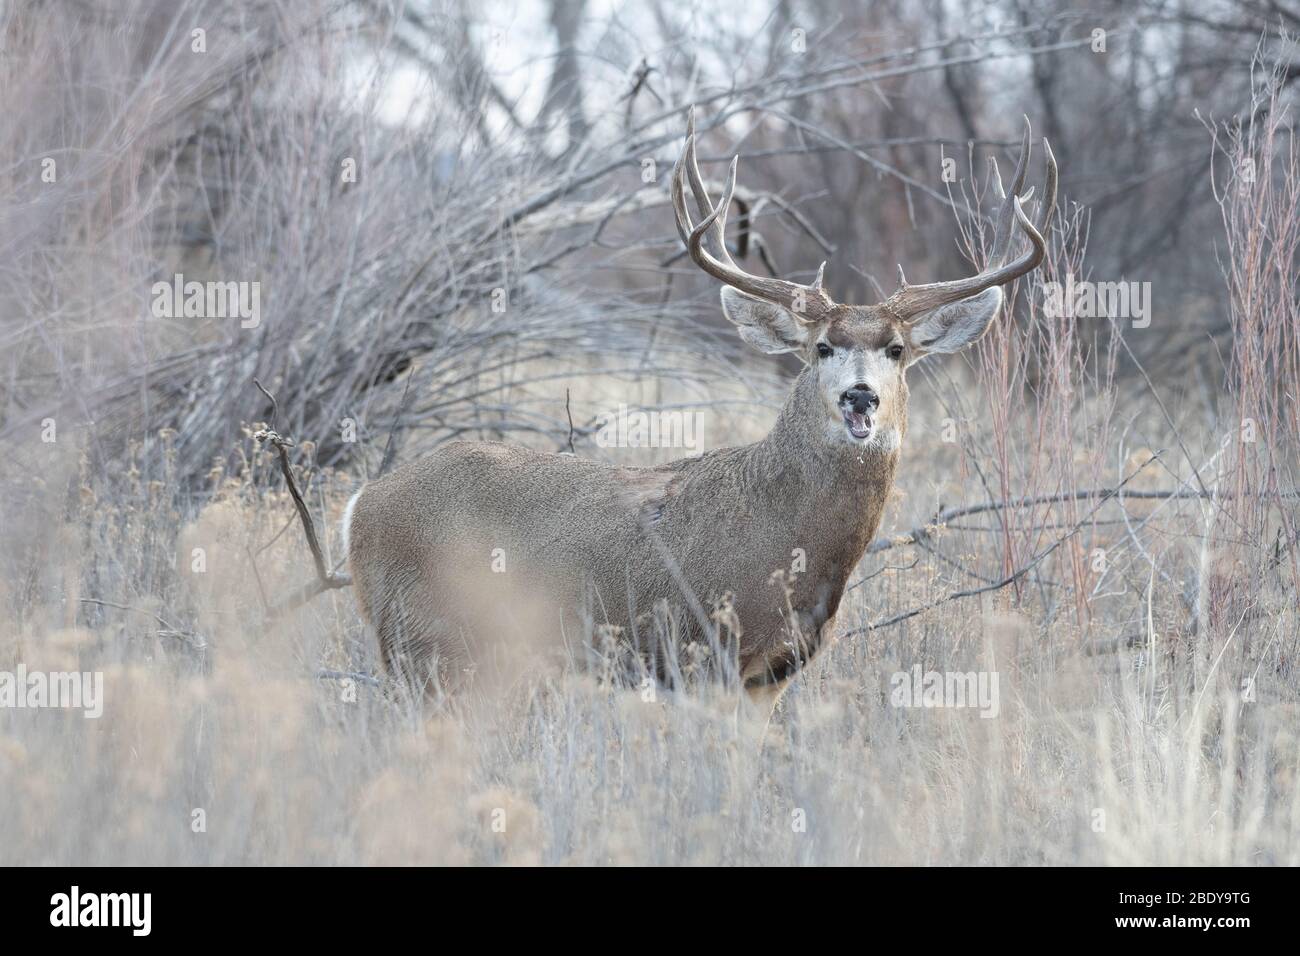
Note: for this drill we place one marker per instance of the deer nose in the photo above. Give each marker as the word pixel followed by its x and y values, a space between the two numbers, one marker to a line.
pixel 862 397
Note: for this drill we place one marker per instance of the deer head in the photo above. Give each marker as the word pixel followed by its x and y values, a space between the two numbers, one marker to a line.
pixel 858 355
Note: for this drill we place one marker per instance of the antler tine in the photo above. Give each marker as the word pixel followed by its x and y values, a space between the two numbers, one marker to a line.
pixel 681 215
pixel 1002 233
pixel 695 242
pixel 716 239
pixel 820 277
pixel 724 268
pixel 1049 189
pixel 910 301
pixel 705 241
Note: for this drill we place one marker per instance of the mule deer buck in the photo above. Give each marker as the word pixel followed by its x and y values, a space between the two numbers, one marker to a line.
pixel 618 545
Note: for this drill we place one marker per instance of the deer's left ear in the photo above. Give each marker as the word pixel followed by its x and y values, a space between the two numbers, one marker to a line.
pixel 952 327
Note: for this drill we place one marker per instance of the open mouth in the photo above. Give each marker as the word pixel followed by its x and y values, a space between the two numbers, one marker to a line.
pixel 859 423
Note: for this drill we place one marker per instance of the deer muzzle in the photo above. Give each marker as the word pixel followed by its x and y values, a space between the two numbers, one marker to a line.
pixel 857 405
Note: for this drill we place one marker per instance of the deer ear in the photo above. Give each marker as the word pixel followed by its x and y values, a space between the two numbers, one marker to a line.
pixel 763 325
pixel 952 327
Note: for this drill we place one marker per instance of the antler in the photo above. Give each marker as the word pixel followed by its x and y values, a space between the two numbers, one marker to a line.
pixel 707 245
pixel 912 300
pixel 706 242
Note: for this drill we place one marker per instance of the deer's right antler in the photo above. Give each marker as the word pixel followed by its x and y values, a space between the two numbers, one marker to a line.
pixel 706 241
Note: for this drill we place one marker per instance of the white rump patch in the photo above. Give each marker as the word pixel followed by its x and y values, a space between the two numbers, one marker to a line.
pixel 347 519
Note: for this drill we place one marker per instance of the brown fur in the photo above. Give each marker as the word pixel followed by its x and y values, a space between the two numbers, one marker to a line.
pixel 586 539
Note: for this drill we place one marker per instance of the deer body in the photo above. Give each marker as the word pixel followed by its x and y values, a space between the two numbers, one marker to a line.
pixel 581 538
pixel 481 539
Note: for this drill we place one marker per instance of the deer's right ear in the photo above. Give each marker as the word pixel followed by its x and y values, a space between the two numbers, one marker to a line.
pixel 763 325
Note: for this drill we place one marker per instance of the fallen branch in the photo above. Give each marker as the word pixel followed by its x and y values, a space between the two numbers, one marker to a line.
pixel 326 580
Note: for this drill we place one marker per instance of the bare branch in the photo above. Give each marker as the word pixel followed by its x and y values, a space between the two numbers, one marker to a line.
pixel 1013 576
pixel 326 580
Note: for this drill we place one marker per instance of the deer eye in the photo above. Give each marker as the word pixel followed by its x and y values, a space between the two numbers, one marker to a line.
pixel 824 350
pixel 895 352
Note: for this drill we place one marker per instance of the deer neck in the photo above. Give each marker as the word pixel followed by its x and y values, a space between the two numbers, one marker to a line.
pixel 809 477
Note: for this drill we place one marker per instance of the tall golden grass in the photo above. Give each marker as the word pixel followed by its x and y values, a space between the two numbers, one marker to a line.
pixel 1151 752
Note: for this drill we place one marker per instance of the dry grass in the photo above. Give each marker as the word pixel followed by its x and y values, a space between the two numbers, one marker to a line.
pixel 289 767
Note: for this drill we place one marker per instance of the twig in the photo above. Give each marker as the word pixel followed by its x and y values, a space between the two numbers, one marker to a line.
pixel 921 532
pixel 366 679
pixel 257 576
pixel 326 580
pixel 387 460
pixel 275 406
pixel 569 413
pixel 169 630
pixel 1013 576
pixel 879 571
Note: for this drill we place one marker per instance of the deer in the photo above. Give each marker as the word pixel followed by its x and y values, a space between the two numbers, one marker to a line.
pixel 703 542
